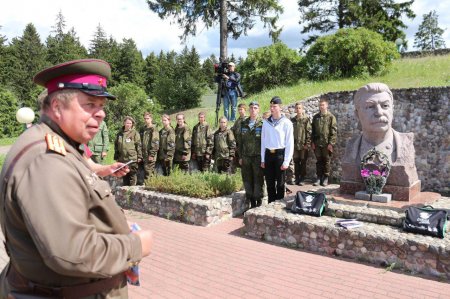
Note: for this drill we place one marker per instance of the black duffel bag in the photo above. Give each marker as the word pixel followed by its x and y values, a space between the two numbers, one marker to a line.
pixel 426 221
pixel 309 203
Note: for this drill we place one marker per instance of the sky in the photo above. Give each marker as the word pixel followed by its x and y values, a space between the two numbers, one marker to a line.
pixel 133 19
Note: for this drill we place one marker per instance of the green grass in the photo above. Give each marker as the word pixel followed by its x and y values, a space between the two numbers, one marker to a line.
pixel 2 160
pixel 7 141
pixel 405 73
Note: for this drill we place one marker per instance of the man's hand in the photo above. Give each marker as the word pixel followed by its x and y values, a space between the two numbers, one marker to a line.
pixel 193 156
pixel 240 162
pixel 225 77
pixel 282 167
pixel 305 147
pixel 184 157
pixel 103 154
pixel 146 237
pixel 263 165
pixel 150 158
pixel 330 148
pixel 313 146
pixel 105 170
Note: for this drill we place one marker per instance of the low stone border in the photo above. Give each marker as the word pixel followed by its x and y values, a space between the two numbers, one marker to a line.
pixel 384 245
pixel 203 212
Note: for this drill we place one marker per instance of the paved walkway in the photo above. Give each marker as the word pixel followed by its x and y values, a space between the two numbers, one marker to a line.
pixel 218 262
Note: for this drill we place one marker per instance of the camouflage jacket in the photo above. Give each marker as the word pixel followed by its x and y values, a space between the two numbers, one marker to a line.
pixel 202 139
pixel 324 129
pixel 150 142
pixel 100 142
pixel 249 139
pixel 128 146
pixel 182 143
pixel 302 131
pixel 224 144
pixel 166 144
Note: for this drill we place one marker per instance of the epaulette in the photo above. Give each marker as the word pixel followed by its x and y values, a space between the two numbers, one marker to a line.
pixel 55 144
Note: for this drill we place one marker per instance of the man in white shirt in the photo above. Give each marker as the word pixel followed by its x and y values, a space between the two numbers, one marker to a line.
pixel 277 147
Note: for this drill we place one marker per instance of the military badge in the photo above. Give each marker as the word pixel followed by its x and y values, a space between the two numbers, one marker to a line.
pixel 55 144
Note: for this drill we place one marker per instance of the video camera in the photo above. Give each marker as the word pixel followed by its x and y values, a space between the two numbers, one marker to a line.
pixel 221 68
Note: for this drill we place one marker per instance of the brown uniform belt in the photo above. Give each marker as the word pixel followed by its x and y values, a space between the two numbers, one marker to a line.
pixel 22 284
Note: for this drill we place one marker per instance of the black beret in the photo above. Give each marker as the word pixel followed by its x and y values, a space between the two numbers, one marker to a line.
pixel 275 100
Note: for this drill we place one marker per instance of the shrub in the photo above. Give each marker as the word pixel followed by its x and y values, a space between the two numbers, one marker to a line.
pixel 201 185
pixel 270 66
pixel 8 108
pixel 350 52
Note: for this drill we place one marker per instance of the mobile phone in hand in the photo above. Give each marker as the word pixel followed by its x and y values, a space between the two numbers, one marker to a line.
pixel 126 164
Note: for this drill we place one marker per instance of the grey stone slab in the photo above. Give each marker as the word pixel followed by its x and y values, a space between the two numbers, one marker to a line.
pixel 383 197
pixel 362 195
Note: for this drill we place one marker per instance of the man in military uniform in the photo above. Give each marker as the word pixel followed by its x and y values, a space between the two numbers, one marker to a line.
pixel 100 144
pixel 323 137
pixel 202 143
pixel 224 147
pixel 166 145
pixel 64 233
pixel 302 142
pixel 182 144
pixel 128 148
pixel 249 140
pixel 150 145
pixel 236 128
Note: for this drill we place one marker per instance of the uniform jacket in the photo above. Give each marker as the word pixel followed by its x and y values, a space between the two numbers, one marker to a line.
pixel 166 144
pixel 249 139
pixel 150 142
pixel 182 143
pixel 324 129
pixel 224 144
pixel 128 146
pixel 236 129
pixel 202 139
pixel 61 221
pixel 100 142
pixel 302 131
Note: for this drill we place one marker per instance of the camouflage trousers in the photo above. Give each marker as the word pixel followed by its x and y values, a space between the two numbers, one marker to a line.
pixel 323 164
pixel 149 168
pixel 253 179
pixel 223 165
pixel 182 165
pixel 130 179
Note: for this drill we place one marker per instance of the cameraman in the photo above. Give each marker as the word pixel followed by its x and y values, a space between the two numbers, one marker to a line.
pixel 230 91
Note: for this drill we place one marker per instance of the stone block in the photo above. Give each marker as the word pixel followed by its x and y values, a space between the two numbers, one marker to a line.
pixel 362 195
pixel 398 192
pixel 383 197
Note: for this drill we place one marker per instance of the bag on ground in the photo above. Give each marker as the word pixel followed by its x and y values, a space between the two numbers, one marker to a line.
pixel 426 221
pixel 309 203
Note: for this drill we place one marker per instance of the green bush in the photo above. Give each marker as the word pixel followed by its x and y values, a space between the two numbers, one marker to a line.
pixel 350 52
pixel 2 160
pixel 8 108
pixel 198 184
pixel 270 66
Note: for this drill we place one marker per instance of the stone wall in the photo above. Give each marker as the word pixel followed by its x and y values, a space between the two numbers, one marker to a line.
pixel 203 212
pixel 423 111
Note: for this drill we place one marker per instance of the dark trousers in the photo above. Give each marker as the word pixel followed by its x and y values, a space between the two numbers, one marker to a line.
pixel 203 163
pixel 130 179
pixel 223 165
pixel 275 177
pixel 166 166
pixel 300 158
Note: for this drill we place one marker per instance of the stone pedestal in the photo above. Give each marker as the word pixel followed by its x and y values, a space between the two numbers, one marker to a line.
pixel 400 193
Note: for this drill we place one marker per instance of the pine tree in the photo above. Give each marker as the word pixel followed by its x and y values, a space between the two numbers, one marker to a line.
pixel 382 16
pixel 99 46
pixel 3 54
pixel 429 35
pixel 130 65
pixel 28 57
pixel 63 46
pixel 150 72
pixel 208 71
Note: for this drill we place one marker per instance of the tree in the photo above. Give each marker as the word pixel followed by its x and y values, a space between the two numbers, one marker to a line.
pixel 382 16
pixel 429 35
pixel 270 66
pixel 208 71
pixel 63 46
pixel 3 53
pixel 349 52
pixel 99 47
pixel 129 67
pixel 233 17
pixel 150 72
pixel 8 108
pixel 27 58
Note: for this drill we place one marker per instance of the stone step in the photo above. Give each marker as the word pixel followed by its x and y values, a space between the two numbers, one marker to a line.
pixel 379 244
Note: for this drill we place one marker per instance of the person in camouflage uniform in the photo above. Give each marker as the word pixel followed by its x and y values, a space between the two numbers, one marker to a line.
pixel 236 128
pixel 302 142
pixel 127 147
pixel 99 145
pixel 166 145
pixel 202 143
pixel 249 140
pixel 323 137
pixel 150 145
pixel 224 147
pixel 182 144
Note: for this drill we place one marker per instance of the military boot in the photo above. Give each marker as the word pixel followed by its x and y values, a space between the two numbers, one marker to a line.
pixel 301 181
pixel 317 182
pixel 324 181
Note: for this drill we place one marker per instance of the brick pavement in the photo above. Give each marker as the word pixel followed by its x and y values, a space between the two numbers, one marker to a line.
pixel 217 262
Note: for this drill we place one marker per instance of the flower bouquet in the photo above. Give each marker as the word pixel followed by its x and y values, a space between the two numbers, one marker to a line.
pixel 375 167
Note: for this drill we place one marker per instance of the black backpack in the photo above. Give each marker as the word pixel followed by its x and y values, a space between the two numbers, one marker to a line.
pixel 426 221
pixel 309 203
